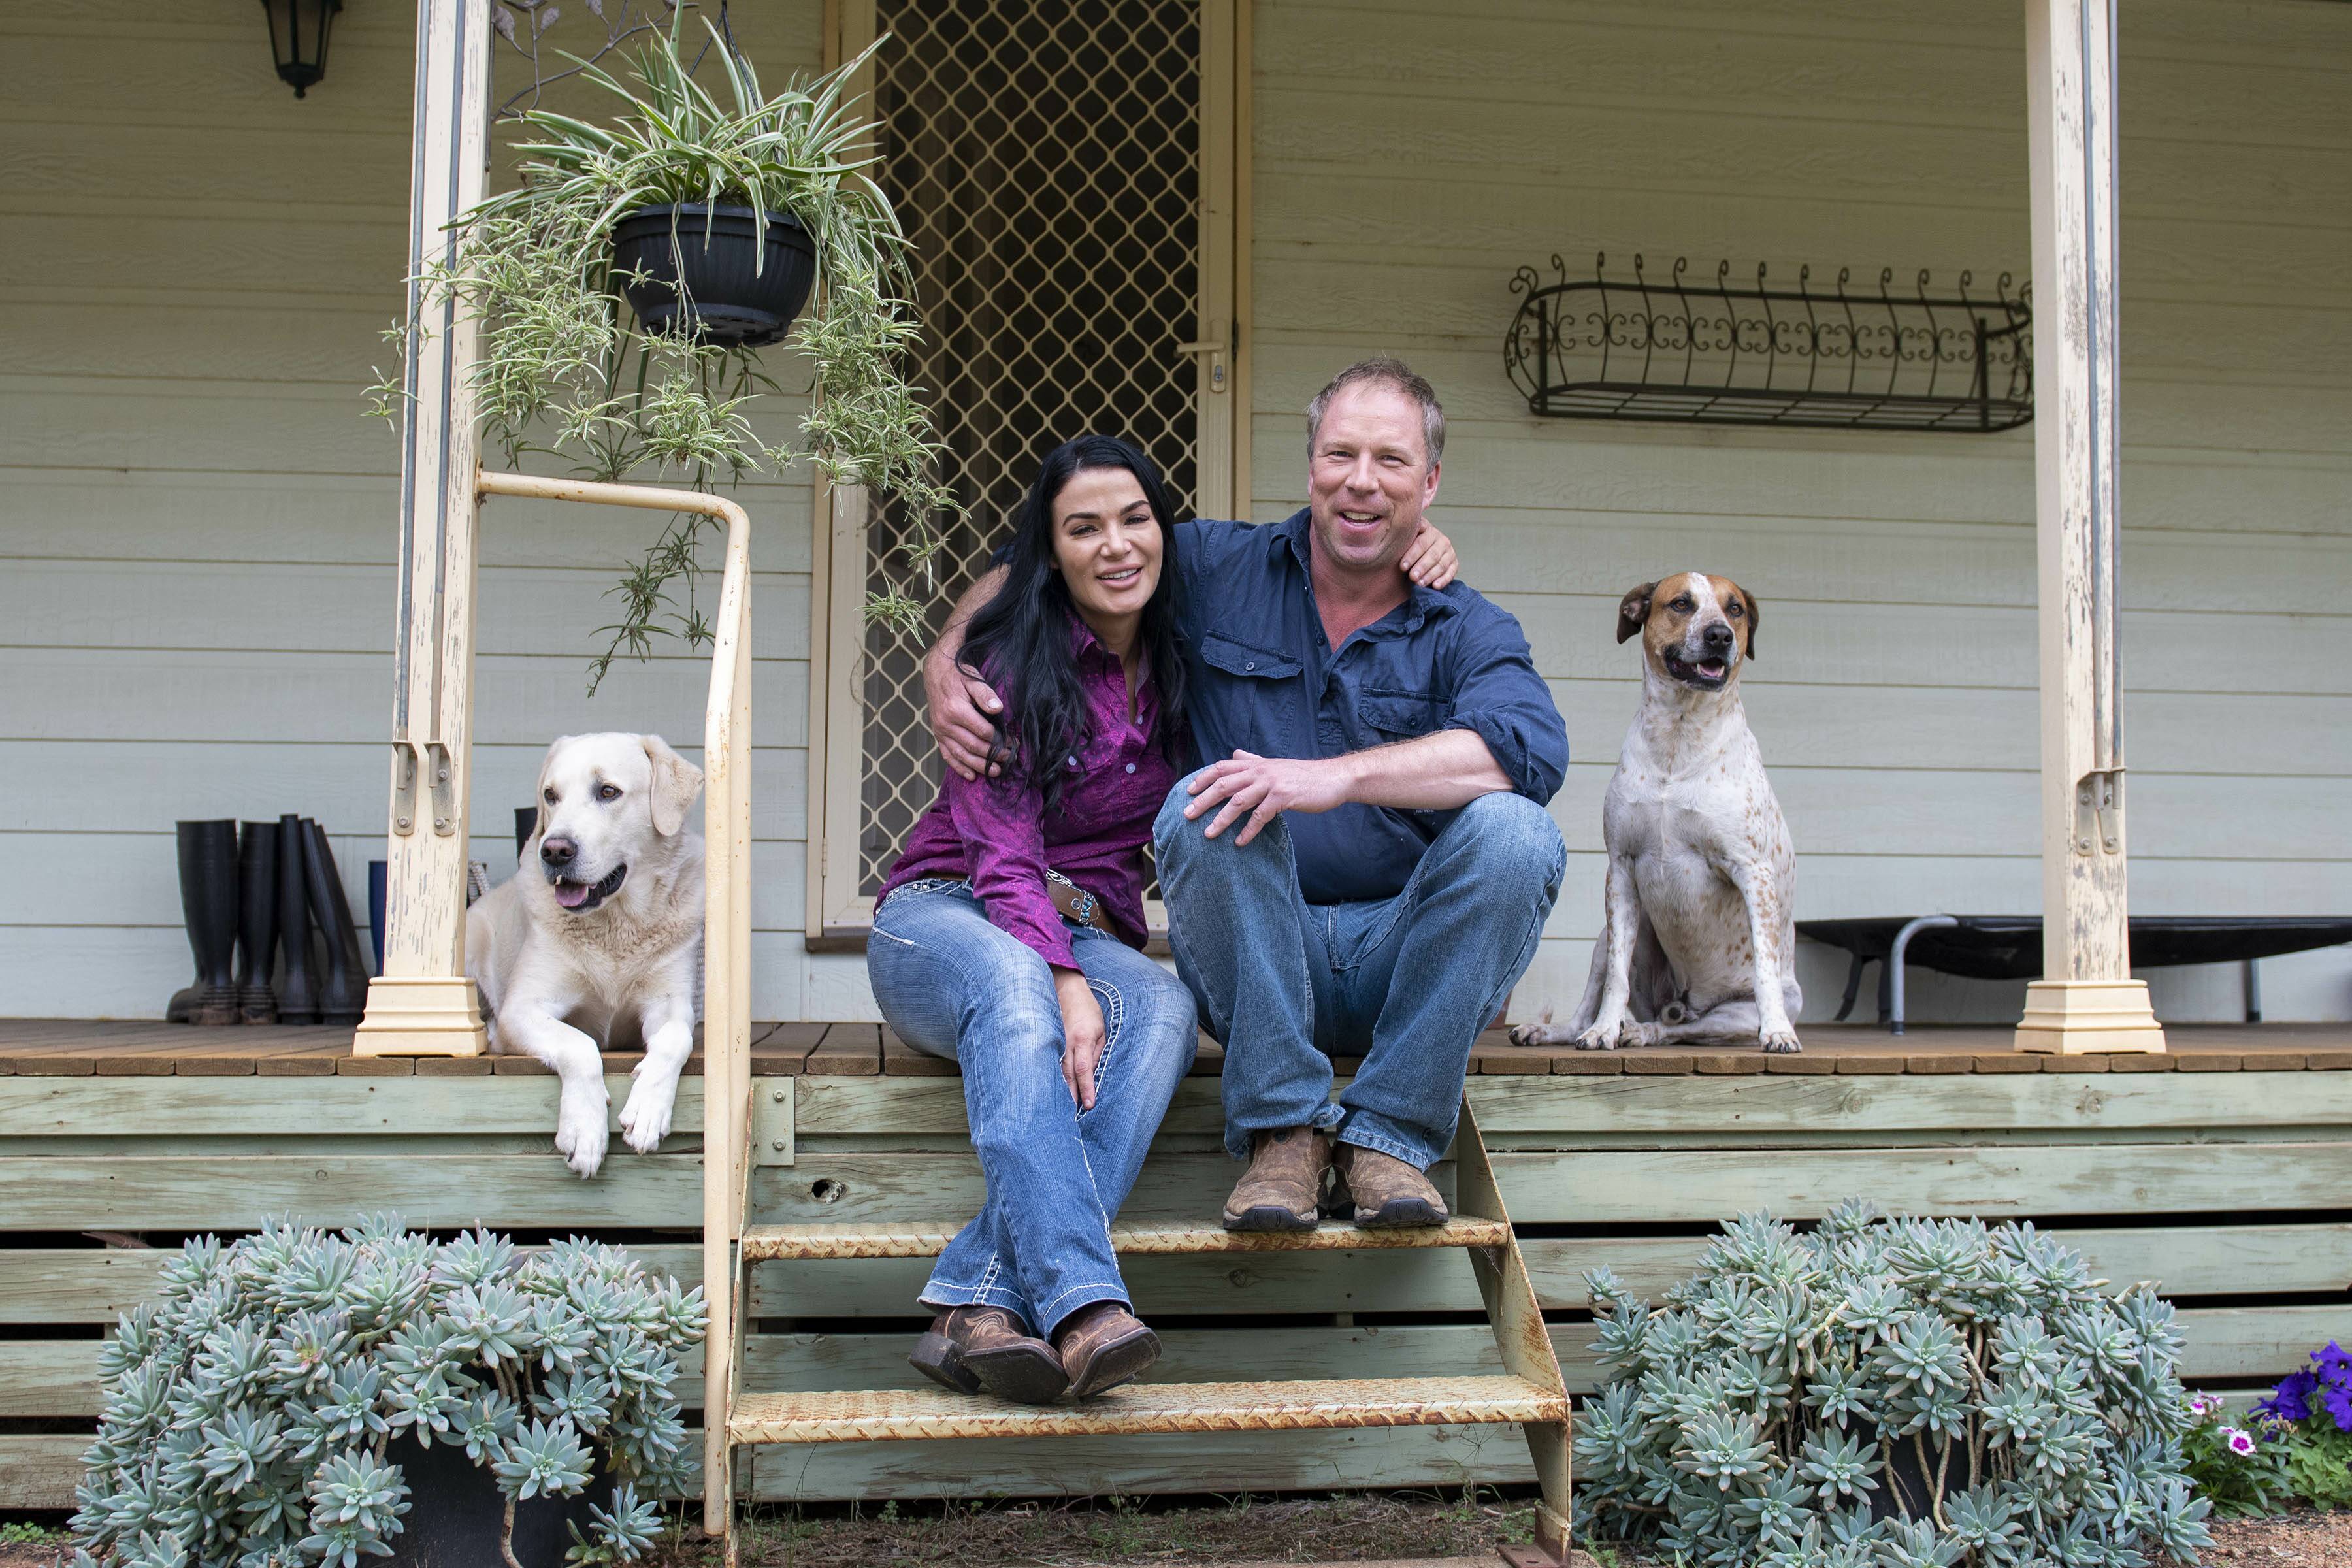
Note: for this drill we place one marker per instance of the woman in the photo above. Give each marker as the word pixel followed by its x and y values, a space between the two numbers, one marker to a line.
pixel 1007 934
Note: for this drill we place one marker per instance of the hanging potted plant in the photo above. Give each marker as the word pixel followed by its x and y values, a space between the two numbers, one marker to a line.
pixel 625 286
pixel 301 1398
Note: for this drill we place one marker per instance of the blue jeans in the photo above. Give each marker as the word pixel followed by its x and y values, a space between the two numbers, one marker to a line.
pixel 1409 981
pixel 954 985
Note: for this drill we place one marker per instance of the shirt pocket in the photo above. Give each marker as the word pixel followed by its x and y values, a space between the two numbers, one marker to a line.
pixel 1401 715
pixel 1240 659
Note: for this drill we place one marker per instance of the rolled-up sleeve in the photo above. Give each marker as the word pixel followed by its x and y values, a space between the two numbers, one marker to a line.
pixel 1003 823
pixel 1498 695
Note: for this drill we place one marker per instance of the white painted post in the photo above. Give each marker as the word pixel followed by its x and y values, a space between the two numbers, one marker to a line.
pixel 422 1004
pixel 2086 1000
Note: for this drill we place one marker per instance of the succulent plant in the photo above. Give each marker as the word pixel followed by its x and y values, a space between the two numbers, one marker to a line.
pixel 251 1408
pixel 1885 1392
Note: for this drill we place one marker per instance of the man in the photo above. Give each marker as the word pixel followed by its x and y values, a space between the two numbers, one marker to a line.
pixel 1369 865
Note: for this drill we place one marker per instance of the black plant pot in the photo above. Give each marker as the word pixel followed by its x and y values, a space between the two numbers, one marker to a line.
pixel 724 299
pixel 455 1511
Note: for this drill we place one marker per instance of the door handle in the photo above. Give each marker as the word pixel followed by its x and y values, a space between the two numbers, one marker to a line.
pixel 1216 352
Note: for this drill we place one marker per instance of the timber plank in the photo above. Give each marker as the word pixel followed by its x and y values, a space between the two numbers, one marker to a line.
pixel 1586 1064
pixel 97 1285
pixel 53 1377
pixel 847 1050
pixel 1680 1184
pixel 421 1104
pixel 40 1470
pixel 1771 1102
pixel 900 1059
pixel 235 1191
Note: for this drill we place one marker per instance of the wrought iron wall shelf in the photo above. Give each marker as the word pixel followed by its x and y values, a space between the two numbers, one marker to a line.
pixel 1688 352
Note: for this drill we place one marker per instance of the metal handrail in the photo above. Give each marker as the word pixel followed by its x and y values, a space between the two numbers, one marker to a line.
pixel 725 944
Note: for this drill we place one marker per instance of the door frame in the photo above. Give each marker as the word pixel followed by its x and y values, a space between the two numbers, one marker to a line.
pixel 839 914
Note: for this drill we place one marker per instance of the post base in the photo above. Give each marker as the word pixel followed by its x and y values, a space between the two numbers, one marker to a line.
pixel 2079 1018
pixel 422 1016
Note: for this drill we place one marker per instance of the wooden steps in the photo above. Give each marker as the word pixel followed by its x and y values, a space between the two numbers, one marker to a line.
pixel 778 1243
pixel 892 1414
pixel 1532 1395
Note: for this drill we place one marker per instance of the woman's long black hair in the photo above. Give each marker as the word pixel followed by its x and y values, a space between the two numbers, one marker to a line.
pixel 1019 640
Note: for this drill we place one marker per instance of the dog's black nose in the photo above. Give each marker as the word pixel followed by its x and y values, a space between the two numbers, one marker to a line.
pixel 558 852
pixel 1717 637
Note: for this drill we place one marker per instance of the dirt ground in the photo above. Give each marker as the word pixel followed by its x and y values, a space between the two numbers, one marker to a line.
pixel 1354 1529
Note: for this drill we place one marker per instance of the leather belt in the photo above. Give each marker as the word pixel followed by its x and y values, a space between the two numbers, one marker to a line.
pixel 1075 902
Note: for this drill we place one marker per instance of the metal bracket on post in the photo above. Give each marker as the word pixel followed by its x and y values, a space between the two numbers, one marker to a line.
pixel 403 787
pixel 445 794
pixel 2098 812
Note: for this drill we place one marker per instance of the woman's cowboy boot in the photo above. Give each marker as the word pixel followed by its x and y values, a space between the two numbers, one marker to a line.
pixel 298 994
pixel 343 999
pixel 208 875
pixel 1379 1190
pixel 1103 1345
pixel 969 1349
pixel 1284 1184
pixel 256 926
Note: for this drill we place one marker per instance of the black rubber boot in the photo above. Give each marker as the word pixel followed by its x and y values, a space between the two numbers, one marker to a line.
pixel 342 998
pixel 208 878
pixel 297 992
pixel 257 924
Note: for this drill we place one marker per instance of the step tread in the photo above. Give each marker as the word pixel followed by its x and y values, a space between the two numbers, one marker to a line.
pixel 890 1414
pixel 771 1243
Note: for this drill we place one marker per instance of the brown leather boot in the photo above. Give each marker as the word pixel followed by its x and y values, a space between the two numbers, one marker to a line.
pixel 1284 1184
pixel 1102 1346
pixel 1376 1189
pixel 969 1349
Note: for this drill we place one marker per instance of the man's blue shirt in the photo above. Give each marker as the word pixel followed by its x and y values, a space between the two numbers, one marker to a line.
pixel 1264 679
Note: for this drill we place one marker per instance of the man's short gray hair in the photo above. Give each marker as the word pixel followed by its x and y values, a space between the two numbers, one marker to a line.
pixel 1383 370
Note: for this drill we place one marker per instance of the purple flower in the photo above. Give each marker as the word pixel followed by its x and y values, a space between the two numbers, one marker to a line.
pixel 2291 1400
pixel 2338 1402
pixel 2241 1443
pixel 2333 1359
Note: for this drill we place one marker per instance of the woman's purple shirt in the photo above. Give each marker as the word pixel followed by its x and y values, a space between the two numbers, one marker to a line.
pixel 995 833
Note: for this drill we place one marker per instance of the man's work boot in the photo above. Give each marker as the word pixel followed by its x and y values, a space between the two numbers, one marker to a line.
pixel 1103 1345
pixel 1376 1189
pixel 1284 1184
pixel 969 1349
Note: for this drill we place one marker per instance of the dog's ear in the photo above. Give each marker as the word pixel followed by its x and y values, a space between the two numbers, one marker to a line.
pixel 1754 618
pixel 676 784
pixel 1633 609
pixel 538 792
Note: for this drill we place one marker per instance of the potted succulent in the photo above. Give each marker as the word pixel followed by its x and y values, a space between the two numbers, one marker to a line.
pixel 627 284
pixel 303 1398
pixel 1889 1394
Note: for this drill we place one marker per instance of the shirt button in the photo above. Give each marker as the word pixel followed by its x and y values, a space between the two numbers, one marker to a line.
pixel 1131 767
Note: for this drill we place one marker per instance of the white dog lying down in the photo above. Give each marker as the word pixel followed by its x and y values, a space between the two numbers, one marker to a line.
pixel 596 941
pixel 1698 940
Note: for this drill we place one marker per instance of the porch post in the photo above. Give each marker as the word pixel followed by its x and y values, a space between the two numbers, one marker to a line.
pixel 2086 1000
pixel 422 1004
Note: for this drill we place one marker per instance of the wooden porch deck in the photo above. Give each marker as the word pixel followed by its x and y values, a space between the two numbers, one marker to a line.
pixel 59 1047
pixel 2201 1171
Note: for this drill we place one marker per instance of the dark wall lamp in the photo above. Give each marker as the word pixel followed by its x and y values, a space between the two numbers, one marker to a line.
pixel 298 39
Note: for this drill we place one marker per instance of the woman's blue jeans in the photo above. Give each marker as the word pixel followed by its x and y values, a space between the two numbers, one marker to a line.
pixel 954 985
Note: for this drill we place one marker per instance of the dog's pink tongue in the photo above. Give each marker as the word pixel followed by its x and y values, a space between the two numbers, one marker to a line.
pixel 571 895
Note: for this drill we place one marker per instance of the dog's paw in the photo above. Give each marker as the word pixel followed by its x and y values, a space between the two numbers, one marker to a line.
pixel 580 1135
pixel 1637 1035
pixel 1604 1035
pixel 645 1119
pixel 1782 1041
pixel 1539 1033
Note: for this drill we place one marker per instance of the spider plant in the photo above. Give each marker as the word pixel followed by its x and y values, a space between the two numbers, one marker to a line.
pixel 565 369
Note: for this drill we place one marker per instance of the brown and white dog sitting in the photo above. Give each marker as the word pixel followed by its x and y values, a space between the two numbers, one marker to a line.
pixel 1698 940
